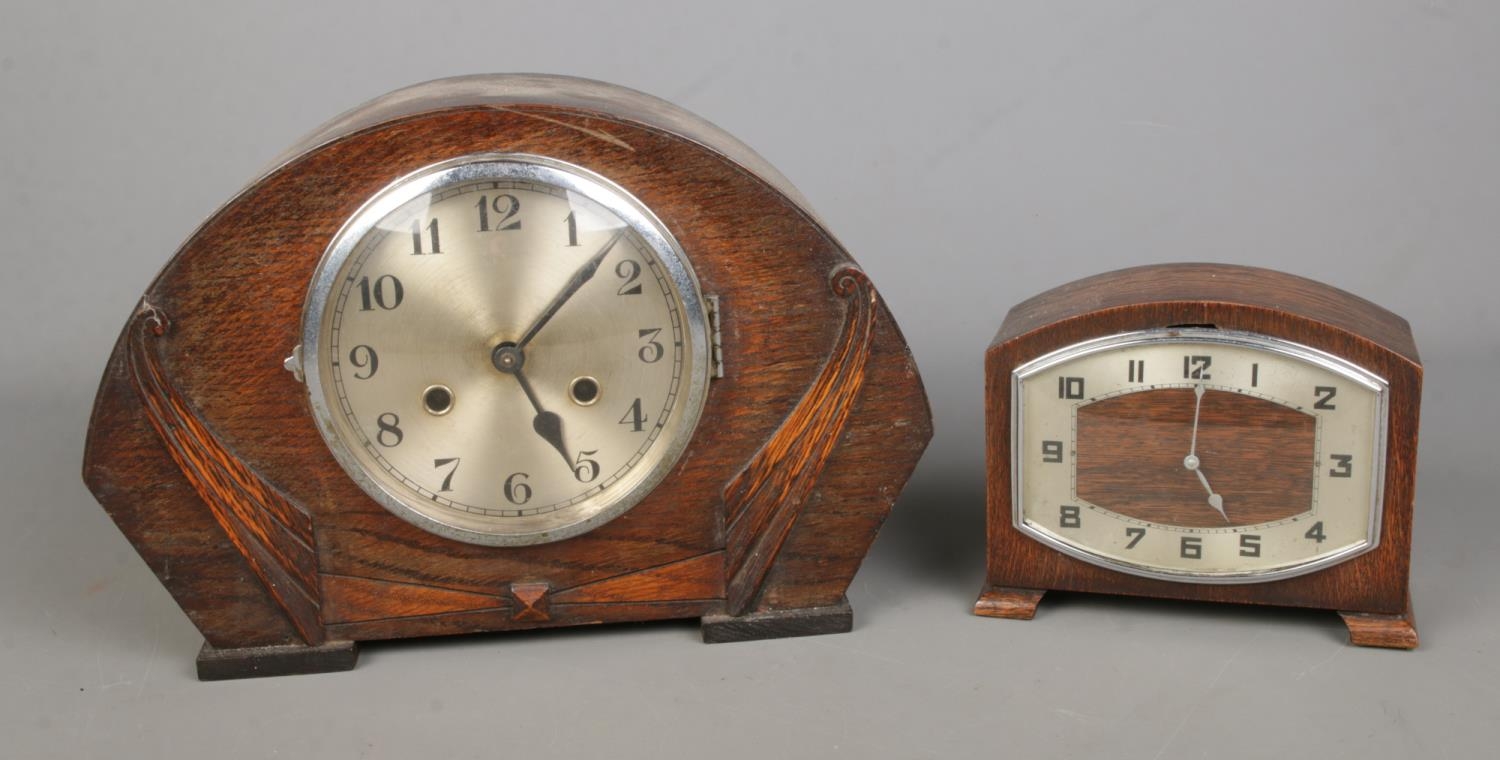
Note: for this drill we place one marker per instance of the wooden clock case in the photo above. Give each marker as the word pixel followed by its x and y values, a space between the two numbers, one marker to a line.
pixel 1370 591
pixel 202 450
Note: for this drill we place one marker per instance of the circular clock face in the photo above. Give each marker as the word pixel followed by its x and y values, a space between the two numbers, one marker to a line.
pixel 1199 455
pixel 505 350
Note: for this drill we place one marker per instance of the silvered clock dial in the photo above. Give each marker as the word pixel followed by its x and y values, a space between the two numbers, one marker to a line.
pixel 1199 455
pixel 505 349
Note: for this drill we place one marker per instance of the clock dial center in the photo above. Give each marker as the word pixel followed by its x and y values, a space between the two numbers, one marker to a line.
pixel 508 358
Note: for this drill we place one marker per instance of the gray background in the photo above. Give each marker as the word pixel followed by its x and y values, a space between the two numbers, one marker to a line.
pixel 969 156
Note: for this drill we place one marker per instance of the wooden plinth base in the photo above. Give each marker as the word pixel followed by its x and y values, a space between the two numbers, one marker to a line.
pixel 777 624
pixel 1389 631
pixel 292 659
pixel 1366 629
pixel 1012 603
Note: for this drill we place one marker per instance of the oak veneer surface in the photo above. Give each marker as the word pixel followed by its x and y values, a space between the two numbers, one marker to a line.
pixel 1130 457
pixel 234 296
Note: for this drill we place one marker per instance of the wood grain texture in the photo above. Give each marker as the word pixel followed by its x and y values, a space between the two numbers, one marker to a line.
pixel 763 501
pixel 1009 603
pixel 532 603
pixel 1368 629
pixel 274 537
pixel 355 600
pixel 1130 451
pixel 699 577
pixel 235 293
pixel 1231 298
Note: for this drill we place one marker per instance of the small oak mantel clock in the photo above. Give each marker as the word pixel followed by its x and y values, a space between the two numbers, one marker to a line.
pixel 1198 431
pixel 505 352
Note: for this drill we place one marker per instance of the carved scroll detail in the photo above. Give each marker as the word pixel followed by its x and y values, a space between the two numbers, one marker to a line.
pixel 274 536
pixel 764 500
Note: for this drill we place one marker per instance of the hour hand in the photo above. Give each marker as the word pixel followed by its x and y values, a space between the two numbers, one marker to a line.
pixel 546 424
pixel 549 426
pixel 1214 500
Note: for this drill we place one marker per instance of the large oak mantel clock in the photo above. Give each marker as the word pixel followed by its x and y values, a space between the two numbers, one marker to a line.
pixel 497 353
pixel 1211 432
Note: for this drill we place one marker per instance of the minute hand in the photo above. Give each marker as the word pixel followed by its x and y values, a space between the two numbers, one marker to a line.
pixel 1191 460
pixel 579 278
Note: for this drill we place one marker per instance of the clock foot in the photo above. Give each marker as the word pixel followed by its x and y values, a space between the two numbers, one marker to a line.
pixel 776 624
pixel 284 660
pixel 1368 629
pixel 1011 603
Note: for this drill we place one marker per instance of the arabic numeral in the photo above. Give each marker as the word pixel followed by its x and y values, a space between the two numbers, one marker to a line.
pixel 447 479
pixel 385 293
pixel 1325 396
pixel 1192 547
pixel 416 238
pixel 1052 451
pixel 516 490
pixel 390 434
pixel 1070 387
pixel 652 352
pixel 585 469
pixel 364 357
pixel 506 206
pixel 628 270
pixel 1069 516
pixel 1136 534
pixel 634 417
pixel 1249 545
pixel 1316 532
pixel 1343 466
pixel 1196 367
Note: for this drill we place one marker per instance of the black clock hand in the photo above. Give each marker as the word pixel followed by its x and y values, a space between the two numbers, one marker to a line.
pixel 579 278
pixel 546 424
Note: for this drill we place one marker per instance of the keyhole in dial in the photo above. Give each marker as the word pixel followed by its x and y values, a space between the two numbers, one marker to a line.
pixel 584 391
pixel 437 399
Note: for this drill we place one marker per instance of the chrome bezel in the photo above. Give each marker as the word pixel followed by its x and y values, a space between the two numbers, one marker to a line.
pixel 566 522
pixel 1254 341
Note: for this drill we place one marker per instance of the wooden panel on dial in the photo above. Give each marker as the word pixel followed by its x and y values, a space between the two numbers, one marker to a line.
pixel 1131 449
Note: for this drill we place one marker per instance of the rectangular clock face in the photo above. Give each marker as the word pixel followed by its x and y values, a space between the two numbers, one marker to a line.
pixel 1199 455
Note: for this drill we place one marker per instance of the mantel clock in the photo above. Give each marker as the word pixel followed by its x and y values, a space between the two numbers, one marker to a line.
pixel 1206 432
pixel 505 352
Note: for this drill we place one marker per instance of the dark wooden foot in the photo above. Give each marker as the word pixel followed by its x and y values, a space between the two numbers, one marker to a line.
pixel 1012 603
pixel 1368 629
pixel 778 624
pixel 291 659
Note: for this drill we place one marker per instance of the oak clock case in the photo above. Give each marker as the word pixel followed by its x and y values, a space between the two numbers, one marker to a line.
pixel 1204 432
pixel 505 352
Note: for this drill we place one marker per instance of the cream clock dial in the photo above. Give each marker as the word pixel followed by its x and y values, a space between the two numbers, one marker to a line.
pixel 1199 455
pixel 505 349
